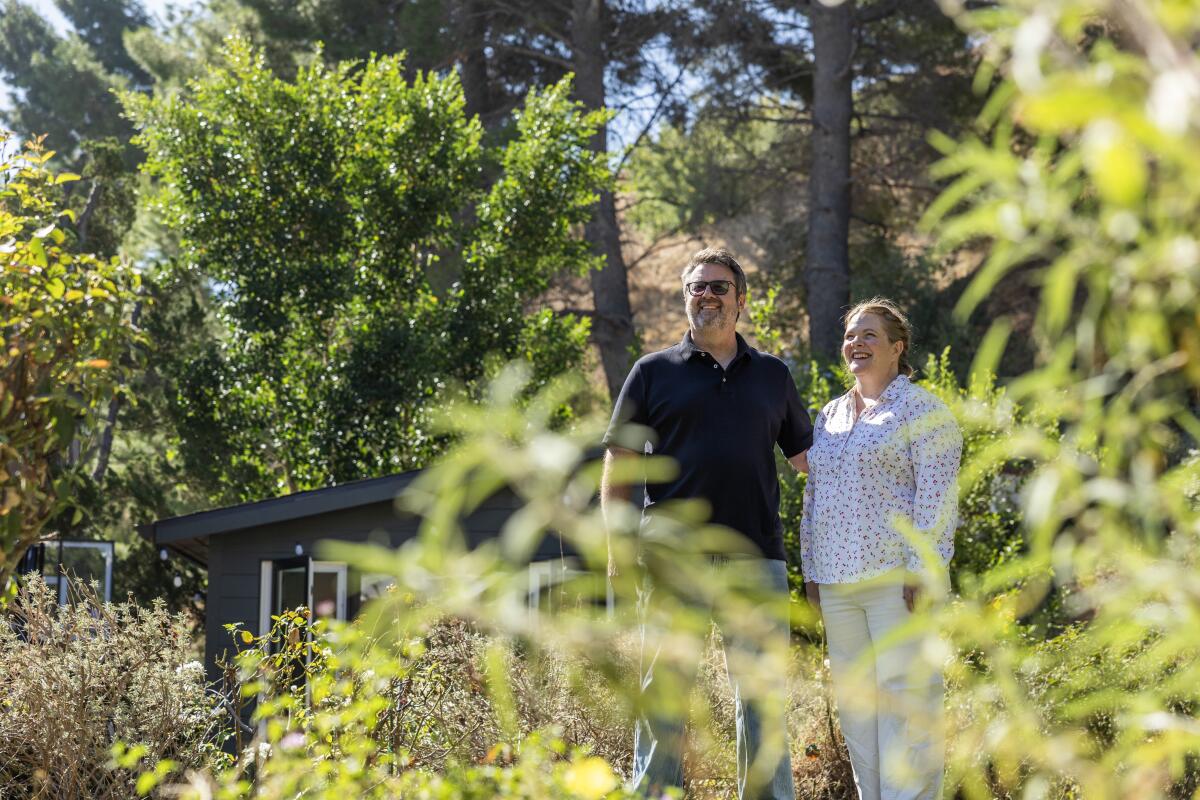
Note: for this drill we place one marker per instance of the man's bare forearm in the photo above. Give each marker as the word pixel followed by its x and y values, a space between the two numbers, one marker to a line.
pixel 612 494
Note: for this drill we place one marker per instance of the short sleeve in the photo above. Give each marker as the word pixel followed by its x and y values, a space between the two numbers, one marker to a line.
pixel 796 432
pixel 630 407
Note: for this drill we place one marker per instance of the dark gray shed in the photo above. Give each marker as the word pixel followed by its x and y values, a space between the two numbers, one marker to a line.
pixel 262 557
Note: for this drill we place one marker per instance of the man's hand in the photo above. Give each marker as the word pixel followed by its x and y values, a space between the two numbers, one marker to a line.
pixel 912 591
pixel 813 592
pixel 800 462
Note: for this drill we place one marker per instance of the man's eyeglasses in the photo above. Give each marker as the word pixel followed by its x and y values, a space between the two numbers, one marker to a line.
pixel 696 288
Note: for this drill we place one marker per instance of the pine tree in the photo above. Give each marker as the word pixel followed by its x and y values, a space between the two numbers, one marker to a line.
pixel 64 84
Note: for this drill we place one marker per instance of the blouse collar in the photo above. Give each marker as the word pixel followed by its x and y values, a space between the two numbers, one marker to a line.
pixel 894 391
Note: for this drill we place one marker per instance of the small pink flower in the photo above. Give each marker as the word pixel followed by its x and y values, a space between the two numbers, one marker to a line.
pixel 292 741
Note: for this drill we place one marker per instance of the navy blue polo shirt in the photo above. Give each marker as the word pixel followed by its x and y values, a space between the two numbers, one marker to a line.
pixel 721 426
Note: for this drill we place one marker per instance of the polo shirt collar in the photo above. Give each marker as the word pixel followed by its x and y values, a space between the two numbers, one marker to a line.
pixel 688 348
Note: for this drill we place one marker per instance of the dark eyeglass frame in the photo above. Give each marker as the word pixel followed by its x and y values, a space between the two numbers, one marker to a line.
pixel 719 287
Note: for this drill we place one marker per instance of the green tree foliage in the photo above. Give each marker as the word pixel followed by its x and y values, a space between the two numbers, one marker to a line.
pixel 65 84
pixel 911 68
pixel 359 269
pixel 68 338
pixel 354 29
pixel 689 179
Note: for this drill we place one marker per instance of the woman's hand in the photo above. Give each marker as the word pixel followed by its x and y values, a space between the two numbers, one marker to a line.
pixel 813 593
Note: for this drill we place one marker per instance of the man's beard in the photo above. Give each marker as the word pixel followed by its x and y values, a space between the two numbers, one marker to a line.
pixel 712 319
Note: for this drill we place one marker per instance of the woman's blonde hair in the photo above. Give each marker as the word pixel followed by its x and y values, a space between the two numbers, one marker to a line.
pixel 895 324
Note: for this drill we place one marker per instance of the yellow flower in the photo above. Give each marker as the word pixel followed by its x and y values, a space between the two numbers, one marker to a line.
pixel 590 778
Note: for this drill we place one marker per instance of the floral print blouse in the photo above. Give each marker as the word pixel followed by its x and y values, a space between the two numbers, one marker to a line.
pixel 900 458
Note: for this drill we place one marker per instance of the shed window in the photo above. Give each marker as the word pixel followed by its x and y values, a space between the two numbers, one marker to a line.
pixel 328 594
pixel 86 561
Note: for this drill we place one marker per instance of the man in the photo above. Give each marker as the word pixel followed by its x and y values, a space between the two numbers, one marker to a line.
pixel 718 408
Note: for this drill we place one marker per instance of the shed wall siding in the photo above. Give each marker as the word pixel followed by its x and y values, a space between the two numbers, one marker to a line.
pixel 234 564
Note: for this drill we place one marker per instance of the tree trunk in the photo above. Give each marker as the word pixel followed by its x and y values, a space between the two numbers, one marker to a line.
pixel 827 271
pixel 471 24
pixel 612 326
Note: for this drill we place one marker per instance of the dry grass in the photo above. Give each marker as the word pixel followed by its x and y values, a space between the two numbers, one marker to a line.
pixel 560 693
pixel 820 768
pixel 80 679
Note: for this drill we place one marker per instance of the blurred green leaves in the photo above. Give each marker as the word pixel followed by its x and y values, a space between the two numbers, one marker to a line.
pixel 1085 175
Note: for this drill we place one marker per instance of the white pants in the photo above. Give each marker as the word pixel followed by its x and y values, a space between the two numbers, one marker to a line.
pixel 889 699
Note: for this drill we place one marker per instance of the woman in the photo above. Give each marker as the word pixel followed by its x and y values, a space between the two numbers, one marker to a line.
pixel 880 506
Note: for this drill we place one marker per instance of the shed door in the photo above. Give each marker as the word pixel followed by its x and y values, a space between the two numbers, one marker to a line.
pixel 293 584
pixel 286 583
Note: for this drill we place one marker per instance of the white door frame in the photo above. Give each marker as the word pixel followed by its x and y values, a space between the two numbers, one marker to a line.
pixel 337 568
pixel 266 586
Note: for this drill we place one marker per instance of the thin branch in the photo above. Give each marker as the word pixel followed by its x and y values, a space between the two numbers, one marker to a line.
pixel 110 422
pixel 799 119
pixel 662 102
pixel 874 223
pixel 660 243
pixel 81 227
pixel 106 439
pixel 533 21
pixel 865 16
pixel 547 57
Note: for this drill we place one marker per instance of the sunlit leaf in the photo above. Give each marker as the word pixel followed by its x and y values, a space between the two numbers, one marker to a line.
pixel 1115 162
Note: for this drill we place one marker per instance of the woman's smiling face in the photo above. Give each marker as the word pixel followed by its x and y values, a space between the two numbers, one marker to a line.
pixel 867 348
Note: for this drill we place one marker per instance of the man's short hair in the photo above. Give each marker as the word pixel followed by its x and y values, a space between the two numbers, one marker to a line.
pixel 718 255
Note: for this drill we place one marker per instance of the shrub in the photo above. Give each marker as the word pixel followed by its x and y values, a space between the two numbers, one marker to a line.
pixel 81 678
pixel 428 713
pixel 345 712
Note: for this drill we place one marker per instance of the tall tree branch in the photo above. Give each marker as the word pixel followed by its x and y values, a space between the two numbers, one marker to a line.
pixel 874 13
pixel 110 420
pixel 539 55
pixel 85 218
pixel 662 103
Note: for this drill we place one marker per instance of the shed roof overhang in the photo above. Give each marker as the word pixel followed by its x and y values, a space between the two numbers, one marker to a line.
pixel 188 534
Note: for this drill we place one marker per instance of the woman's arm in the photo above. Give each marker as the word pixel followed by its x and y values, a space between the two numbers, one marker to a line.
pixel 936 450
pixel 806 516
